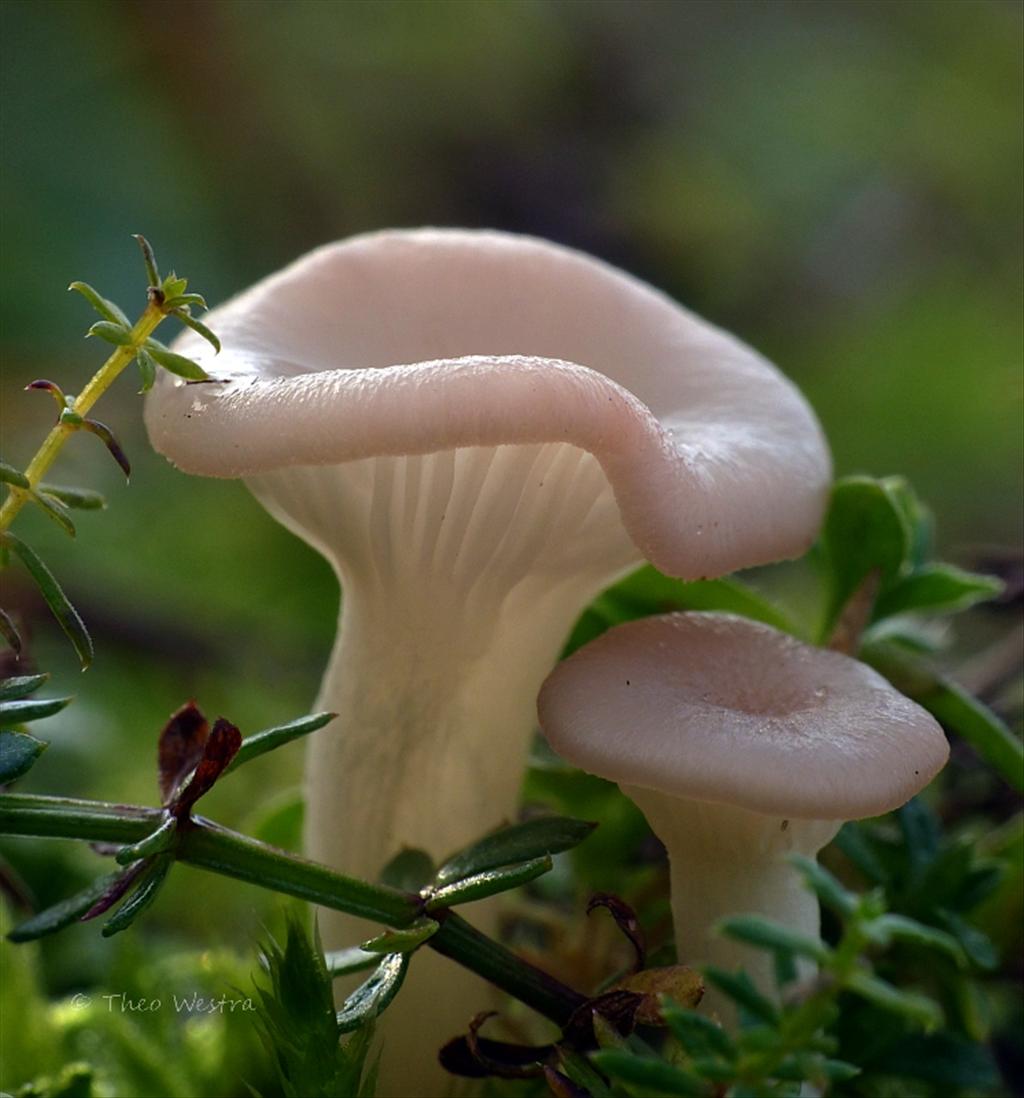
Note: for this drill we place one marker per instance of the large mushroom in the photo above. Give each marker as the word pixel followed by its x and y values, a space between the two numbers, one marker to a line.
pixel 740 745
pixel 479 431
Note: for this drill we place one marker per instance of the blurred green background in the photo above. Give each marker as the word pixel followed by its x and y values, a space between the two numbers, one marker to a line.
pixel 838 183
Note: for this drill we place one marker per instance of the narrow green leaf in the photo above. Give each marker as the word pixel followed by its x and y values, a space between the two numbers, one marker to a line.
pixel 975 943
pixel 163 838
pixel 55 510
pixel 911 1005
pixel 10 475
pixel 409 870
pixel 865 531
pixel 767 934
pixel 918 517
pixel 18 754
pixel 740 988
pixel 111 332
pixel 262 742
pixel 55 598
pixel 839 1071
pixel 63 914
pixel 25 710
pixel 9 631
pixel 655 1076
pixel 936 587
pixel 891 927
pixel 697 1033
pixel 489 883
pixel 82 499
pixel 199 328
pixel 372 997
pixel 145 893
pixel 149 259
pixel 177 364
pixel 953 707
pixel 147 369
pixel 103 432
pixel 406 940
pixel 344 962
pixel 21 686
pixel 186 302
pixel 579 1070
pixel 518 843
pixel 107 309
pixel 825 885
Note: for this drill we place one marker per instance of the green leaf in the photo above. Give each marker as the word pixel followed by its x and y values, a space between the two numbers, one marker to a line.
pixel 262 742
pixel 55 510
pixel 63 914
pixel 147 369
pixel 343 962
pixel 825 886
pixel 103 432
pixel 697 1033
pixel 405 940
pixel 918 517
pixel 145 893
pixel 917 1007
pixel 117 334
pixel 410 870
pixel 953 707
pixel 20 686
pixel 578 1070
pixel 163 838
pixel 740 988
pixel 767 934
pixel 149 259
pixel 936 587
pixel 655 1076
pixel 372 997
pixel 199 328
pixel 18 754
pixel 865 531
pixel 82 499
pixel 177 364
pixel 55 598
pixel 9 631
pixel 888 928
pixel 518 843
pixel 107 309
pixel 186 301
pixel 10 475
pixel 648 592
pixel 489 883
pixel 24 710
pixel 976 944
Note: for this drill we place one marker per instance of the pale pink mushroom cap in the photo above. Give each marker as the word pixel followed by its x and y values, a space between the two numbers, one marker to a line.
pixel 413 342
pixel 720 709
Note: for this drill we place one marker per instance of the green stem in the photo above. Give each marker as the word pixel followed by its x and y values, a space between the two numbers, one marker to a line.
pixel 101 381
pixel 209 846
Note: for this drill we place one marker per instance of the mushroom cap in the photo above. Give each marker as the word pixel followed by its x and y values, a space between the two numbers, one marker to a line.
pixel 414 342
pixel 718 708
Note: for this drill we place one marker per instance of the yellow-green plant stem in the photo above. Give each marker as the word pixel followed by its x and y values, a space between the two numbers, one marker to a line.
pixel 97 386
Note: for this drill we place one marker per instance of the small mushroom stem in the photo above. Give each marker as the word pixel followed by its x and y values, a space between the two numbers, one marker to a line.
pixel 728 861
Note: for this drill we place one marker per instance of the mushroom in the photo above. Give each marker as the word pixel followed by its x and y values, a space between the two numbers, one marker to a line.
pixel 480 432
pixel 740 744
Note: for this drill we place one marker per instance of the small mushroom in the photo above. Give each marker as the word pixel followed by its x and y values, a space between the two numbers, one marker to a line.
pixel 480 432
pixel 740 745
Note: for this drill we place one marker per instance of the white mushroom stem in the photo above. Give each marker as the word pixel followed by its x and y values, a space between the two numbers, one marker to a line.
pixel 725 861
pixel 462 574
